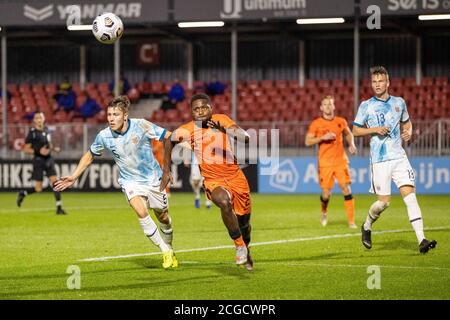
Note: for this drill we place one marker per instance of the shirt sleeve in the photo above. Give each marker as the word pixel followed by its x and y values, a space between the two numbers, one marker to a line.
pixel 29 138
pixel 405 115
pixel 224 120
pixel 361 116
pixel 153 131
pixel 182 134
pixel 97 146
pixel 312 129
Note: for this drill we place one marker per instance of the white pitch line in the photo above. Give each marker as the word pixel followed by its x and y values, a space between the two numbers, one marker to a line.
pixel 258 244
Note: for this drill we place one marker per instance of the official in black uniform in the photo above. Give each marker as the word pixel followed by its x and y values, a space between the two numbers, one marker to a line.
pixel 38 143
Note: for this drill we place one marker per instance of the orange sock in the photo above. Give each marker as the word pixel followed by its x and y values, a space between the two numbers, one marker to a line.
pixel 349 204
pixel 239 242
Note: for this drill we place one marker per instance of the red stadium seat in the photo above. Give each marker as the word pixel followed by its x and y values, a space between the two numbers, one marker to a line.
pixel 441 81
pixel 310 84
pixel 267 84
pixel 281 84
pixel 294 84
pixel 427 82
pixel 252 84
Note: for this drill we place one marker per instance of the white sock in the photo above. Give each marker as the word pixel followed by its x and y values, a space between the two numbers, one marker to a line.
pixel 167 232
pixel 197 192
pixel 374 213
pixel 415 215
pixel 151 231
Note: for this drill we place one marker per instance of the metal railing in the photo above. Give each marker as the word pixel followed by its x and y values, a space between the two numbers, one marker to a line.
pixel 430 138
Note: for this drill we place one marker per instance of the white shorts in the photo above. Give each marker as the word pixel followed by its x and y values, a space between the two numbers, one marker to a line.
pixel 195 172
pixel 156 199
pixel 382 173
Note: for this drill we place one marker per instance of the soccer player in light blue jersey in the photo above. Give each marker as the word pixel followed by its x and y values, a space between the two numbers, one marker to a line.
pixel 386 119
pixel 129 141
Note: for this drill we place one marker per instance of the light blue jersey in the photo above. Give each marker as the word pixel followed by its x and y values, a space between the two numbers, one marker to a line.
pixel 132 151
pixel 377 113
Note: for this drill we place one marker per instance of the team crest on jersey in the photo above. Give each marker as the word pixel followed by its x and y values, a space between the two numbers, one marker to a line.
pixel 397 108
pixel 134 139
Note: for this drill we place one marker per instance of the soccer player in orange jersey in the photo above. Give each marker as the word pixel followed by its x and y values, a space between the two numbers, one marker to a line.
pixel 328 132
pixel 225 183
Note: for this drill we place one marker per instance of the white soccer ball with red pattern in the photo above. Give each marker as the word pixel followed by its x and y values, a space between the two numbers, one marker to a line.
pixel 107 28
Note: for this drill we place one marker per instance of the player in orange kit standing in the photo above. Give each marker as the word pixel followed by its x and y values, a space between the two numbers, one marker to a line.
pixel 328 132
pixel 225 183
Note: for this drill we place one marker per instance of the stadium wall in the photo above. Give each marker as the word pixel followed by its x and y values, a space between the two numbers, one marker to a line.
pixel 299 175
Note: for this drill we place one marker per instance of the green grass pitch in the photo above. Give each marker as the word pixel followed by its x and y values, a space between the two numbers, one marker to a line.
pixel 314 262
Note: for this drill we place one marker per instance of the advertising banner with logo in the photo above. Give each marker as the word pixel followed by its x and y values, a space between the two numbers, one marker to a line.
pixel 101 175
pixel 67 12
pixel 299 175
pixel 194 10
pixel 407 7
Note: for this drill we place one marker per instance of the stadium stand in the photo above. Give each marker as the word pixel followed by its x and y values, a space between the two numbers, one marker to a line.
pixel 263 100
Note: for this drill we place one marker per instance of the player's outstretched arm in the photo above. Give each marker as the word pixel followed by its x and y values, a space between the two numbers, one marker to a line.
pixel 67 182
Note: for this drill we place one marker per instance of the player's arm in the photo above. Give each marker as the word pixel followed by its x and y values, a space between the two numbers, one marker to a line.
pixel 53 148
pixel 360 131
pixel 66 182
pixel 169 142
pixel 234 131
pixel 45 150
pixel 406 130
pixel 238 133
pixel 311 139
pixel 28 148
pixel 360 127
pixel 350 140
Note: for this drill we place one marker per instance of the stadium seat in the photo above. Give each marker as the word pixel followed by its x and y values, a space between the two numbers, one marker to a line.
pixel 281 84
pixel 252 84
pixel 267 84
pixel 441 81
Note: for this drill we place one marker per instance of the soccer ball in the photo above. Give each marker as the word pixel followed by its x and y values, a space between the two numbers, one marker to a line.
pixel 107 28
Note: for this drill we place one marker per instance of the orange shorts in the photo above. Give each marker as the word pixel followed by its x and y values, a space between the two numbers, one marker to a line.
pixel 238 189
pixel 328 174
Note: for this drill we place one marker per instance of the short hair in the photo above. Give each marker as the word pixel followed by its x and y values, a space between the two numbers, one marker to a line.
pixel 121 102
pixel 39 112
pixel 330 97
pixel 200 96
pixel 379 70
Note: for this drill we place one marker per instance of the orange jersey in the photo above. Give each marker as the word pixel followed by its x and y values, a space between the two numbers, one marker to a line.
pixel 212 148
pixel 331 153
